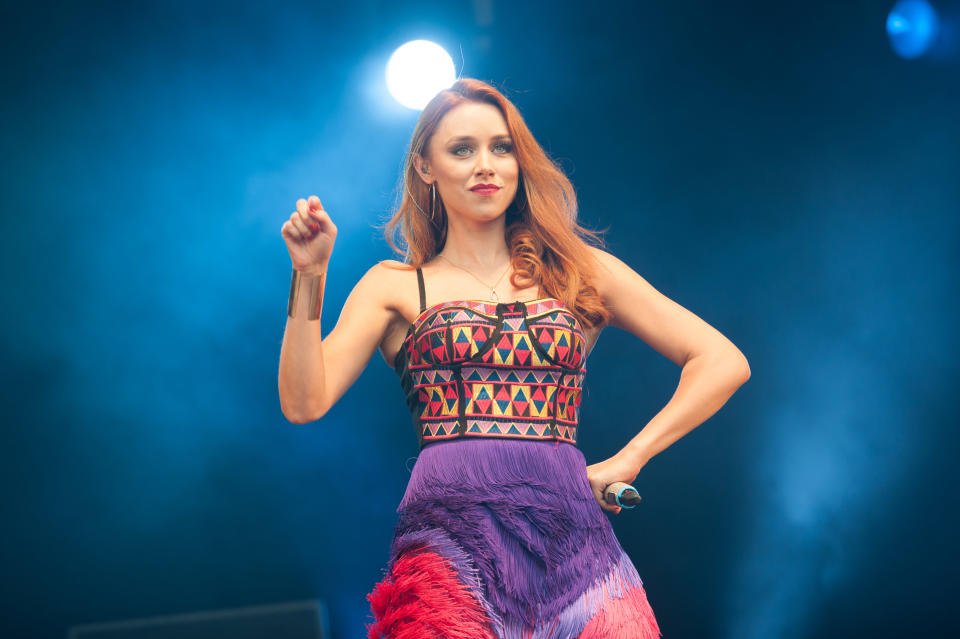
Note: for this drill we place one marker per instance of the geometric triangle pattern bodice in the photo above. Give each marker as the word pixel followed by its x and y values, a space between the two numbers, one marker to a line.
pixel 477 368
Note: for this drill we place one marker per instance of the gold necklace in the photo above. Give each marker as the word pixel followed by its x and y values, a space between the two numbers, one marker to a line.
pixel 493 290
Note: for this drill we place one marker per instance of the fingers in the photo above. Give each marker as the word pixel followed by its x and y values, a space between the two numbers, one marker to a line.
pixel 302 226
pixel 302 217
pixel 310 210
pixel 613 508
pixel 308 221
pixel 289 230
pixel 313 216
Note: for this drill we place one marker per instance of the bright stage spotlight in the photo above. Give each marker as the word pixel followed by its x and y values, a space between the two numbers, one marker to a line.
pixel 417 71
pixel 912 27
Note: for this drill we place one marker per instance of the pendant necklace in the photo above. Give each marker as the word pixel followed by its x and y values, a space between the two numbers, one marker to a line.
pixel 493 290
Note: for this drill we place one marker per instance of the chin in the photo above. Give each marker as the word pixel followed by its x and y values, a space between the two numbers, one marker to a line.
pixel 487 215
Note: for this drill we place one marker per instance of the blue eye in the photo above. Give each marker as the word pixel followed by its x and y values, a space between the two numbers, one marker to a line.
pixel 506 146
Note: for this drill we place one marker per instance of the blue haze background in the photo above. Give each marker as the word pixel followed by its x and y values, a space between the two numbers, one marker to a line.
pixel 773 167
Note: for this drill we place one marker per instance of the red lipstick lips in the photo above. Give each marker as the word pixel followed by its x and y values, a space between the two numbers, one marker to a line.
pixel 485 189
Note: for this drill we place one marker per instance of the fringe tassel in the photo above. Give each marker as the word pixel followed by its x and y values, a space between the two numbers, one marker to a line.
pixel 615 607
pixel 432 587
pixel 629 617
pixel 438 541
pixel 525 514
pixel 525 540
pixel 618 606
pixel 423 597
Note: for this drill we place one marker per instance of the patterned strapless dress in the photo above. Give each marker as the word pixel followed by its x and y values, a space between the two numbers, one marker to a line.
pixel 499 535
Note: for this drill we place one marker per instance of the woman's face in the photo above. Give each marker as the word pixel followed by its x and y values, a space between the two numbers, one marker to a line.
pixel 472 146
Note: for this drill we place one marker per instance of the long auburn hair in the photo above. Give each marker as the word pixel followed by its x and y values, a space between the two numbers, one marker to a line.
pixel 546 243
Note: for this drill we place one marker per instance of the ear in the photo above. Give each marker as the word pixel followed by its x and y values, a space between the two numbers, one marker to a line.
pixel 423 169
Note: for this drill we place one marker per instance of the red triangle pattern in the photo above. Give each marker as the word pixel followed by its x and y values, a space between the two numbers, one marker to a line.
pixel 532 370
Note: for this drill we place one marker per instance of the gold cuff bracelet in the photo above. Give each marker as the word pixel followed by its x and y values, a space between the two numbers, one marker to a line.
pixel 315 292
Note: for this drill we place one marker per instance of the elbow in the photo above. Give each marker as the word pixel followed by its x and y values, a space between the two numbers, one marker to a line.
pixel 294 418
pixel 301 416
pixel 743 369
pixel 299 408
pixel 732 366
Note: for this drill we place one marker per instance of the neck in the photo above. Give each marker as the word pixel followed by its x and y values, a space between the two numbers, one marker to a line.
pixel 479 247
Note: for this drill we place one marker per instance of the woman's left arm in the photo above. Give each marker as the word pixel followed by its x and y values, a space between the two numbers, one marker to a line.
pixel 713 368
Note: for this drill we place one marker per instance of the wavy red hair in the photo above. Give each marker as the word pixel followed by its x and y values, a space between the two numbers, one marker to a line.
pixel 547 245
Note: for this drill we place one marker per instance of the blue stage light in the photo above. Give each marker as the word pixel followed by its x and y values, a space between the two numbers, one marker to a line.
pixel 912 27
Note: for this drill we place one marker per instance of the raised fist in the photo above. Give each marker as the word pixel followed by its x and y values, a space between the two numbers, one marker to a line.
pixel 309 234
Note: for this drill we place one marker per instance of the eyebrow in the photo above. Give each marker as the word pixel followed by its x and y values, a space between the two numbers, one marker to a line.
pixel 468 138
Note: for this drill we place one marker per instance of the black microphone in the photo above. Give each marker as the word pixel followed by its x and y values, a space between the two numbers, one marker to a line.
pixel 621 494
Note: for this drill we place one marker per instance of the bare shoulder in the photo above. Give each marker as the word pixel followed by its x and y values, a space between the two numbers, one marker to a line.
pixel 610 268
pixel 392 278
pixel 388 268
pixel 372 293
pixel 394 266
pixel 397 285
pixel 394 286
pixel 621 287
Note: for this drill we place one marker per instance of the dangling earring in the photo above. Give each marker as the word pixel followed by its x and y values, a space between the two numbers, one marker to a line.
pixel 433 202
pixel 521 196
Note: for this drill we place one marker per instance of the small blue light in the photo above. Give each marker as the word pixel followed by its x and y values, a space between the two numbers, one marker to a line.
pixel 912 27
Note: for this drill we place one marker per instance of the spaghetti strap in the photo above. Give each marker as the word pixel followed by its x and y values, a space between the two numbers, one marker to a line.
pixel 423 294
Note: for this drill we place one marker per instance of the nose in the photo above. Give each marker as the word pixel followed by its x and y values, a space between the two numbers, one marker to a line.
pixel 484 167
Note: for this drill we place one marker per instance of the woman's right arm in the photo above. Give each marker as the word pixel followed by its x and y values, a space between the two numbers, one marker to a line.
pixel 315 372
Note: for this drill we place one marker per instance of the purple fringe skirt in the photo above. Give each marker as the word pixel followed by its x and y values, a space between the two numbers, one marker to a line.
pixel 516 524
